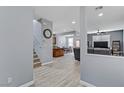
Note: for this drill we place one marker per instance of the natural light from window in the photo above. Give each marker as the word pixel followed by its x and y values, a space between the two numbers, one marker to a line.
pixel 70 42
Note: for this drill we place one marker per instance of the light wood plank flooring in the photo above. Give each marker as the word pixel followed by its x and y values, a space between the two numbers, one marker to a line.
pixel 63 72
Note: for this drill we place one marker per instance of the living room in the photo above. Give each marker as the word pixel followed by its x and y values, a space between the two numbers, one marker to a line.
pixel 107 36
pixel 65 43
pixel 96 32
pixel 56 46
pixel 106 43
pixel 103 65
pixel 55 35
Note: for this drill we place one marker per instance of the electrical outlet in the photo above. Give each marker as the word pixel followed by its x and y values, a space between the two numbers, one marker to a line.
pixel 9 80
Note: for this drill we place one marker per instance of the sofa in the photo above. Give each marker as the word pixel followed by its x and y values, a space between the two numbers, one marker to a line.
pixel 102 51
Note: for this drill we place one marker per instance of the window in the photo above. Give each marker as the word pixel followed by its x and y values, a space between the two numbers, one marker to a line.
pixel 77 43
pixel 70 42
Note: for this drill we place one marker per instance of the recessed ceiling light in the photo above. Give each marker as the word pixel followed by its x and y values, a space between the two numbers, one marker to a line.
pixel 73 22
pixel 64 29
pixel 34 20
pixel 100 14
pixel 44 23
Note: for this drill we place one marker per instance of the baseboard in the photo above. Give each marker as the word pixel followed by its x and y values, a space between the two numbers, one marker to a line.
pixel 86 84
pixel 47 63
pixel 27 84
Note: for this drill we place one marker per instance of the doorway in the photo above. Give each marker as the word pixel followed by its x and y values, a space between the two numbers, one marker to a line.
pixel 70 44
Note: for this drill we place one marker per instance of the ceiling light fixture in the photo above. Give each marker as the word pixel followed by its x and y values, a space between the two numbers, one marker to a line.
pixel 100 14
pixel 73 22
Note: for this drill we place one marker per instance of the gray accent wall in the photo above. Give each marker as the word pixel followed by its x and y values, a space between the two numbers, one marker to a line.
pixel 99 70
pixel 114 35
pixel 16 46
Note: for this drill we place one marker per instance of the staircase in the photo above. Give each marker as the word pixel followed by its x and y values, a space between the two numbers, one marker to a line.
pixel 36 60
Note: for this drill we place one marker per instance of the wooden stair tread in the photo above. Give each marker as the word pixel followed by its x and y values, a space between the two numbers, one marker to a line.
pixel 36 60
pixel 35 56
pixel 37 63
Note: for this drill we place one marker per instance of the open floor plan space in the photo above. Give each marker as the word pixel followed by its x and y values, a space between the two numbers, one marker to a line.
pixel 62 46
pixel 63 72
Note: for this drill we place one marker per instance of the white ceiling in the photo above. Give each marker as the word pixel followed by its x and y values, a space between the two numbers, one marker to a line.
pixel 61 16
pixel 113 18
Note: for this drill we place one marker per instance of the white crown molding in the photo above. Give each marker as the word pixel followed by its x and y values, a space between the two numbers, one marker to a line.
pixel 108 30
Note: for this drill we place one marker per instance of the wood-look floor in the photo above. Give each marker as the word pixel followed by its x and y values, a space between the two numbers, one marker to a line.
pixel 63 72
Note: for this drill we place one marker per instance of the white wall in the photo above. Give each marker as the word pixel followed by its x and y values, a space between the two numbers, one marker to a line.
pixel 37 38
pixel 99 70
pixel 62 38
pixel 43 46
pixel 47 44
pixel 61 41
pixel 16 45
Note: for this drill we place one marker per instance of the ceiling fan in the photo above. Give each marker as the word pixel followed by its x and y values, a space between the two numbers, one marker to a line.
pixel 99 8
pixel 100 33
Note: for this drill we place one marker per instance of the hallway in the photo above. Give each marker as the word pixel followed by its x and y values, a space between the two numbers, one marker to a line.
pixel 63 72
